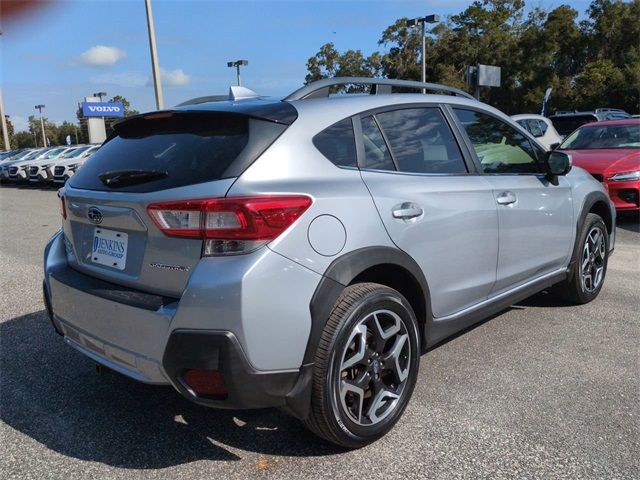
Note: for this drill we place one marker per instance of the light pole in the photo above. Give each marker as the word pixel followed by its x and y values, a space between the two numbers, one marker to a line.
pixel 423 22
pixel 44 138
pixel 5 131
pixel 154 57
pixel 237 64
pixel 100 95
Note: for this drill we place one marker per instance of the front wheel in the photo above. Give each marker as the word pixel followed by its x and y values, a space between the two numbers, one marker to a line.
pixel 590 263
pixel 366 366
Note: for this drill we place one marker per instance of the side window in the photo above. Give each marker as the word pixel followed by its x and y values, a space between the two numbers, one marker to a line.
pixel 376 153
pixel 534 128
pixel 421 141
pixel 500 148
pixel 543 126
pixel 524 124
pixel 337 143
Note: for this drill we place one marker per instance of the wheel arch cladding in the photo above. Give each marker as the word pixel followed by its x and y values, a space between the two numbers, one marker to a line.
pixel 594 202
pixel 384 265
pixel 600 208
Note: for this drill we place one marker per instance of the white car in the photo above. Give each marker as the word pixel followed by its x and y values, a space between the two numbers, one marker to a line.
pixel 19 171
pixel 541 128
pixel 41 170
pixel 72 162
pixel 7 163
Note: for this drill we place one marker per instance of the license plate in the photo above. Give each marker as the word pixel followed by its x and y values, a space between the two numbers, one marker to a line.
pixel 109 248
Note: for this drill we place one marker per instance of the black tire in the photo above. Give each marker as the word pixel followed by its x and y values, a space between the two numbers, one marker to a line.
pixel 331 417
pixel 574 289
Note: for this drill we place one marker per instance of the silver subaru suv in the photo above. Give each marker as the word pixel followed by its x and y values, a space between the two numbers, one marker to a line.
pixel 303 253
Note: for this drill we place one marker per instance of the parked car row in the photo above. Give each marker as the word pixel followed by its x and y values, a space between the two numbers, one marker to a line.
pixel 52 165
pixel 607 146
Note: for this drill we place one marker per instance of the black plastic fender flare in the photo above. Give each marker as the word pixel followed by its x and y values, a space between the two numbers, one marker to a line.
pixel 339 275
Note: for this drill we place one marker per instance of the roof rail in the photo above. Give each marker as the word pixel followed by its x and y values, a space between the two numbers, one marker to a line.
pixel 320 88
pixel 602 110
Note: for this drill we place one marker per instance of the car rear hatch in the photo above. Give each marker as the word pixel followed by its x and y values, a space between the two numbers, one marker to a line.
pixel 159 157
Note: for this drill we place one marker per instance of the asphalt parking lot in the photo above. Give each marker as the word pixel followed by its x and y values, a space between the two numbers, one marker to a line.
pixel 539 391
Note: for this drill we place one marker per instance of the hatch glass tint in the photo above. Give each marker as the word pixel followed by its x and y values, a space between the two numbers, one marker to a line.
pixel 173 149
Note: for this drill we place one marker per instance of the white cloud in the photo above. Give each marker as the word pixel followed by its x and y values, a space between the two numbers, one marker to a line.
pixel 101 56
pixel 174 78
pixel 124 79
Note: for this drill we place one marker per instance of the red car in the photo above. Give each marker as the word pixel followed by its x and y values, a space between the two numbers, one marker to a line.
pixel 610 151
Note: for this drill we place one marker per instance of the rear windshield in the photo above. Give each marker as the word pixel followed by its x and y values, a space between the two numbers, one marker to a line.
pixel 565 125
pixel 179 149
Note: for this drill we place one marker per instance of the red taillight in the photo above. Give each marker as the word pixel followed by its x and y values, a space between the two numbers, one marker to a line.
pixel 230 225
pixel 206 383
pixel 63 206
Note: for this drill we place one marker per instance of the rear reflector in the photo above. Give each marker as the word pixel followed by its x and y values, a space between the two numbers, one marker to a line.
pixel 206 383
pixel 63 206
pixel 229 225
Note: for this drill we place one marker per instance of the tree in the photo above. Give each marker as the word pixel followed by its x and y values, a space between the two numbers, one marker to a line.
pixel 66 129
pixel 589 64
pixel 612 31
pixel 401 60
pixel 24 139
pixel 10 132
pixel 35 128
pixel 329 63
pixel 128 111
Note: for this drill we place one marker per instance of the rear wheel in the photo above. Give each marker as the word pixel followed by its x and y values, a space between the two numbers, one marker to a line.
pixel 590 262
pixel 365 367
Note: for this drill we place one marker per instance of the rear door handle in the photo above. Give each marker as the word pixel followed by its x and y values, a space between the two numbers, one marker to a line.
pixel 407 211
pixel 506 198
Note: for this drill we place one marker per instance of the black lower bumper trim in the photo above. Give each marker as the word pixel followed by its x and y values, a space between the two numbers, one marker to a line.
pixel 109 291
pixel 220 350
pixel 47 305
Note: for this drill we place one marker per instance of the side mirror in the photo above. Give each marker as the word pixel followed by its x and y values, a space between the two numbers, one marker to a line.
pixel 558 163
pixel 553 146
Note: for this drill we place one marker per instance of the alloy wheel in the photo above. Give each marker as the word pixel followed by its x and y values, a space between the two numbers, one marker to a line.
pixel 593 260
pixel 374 367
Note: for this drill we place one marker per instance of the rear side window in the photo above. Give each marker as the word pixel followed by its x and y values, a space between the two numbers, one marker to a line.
pixel 543 127
pixel 376 153
pixel 337 143
pixel 534 128
pixel 421 141
pixel 182 149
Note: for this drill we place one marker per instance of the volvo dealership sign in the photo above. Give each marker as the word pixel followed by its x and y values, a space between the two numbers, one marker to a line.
pixel 102 109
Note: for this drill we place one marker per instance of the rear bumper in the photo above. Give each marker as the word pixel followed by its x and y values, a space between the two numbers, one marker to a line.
pixel 257 343
pixel 221 351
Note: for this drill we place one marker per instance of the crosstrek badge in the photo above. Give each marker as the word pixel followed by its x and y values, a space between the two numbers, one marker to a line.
pixel 109 248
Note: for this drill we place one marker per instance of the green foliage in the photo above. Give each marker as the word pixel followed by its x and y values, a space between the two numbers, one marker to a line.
pixel 23 139
pixel 589 64
pixel 10 131
pixel 128 111
pixel 329 63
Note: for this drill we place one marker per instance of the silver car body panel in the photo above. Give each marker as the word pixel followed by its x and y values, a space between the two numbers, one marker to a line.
pixel 472 253
pixel 241 294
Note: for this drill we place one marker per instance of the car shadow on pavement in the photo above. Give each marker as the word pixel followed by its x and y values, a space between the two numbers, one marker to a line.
pixel 630 222
pixel 52 393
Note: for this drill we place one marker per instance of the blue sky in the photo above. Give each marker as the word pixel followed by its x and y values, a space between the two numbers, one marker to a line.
pixel 56 56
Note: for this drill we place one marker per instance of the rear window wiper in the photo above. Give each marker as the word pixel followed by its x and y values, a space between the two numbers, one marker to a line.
pixel 123 178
